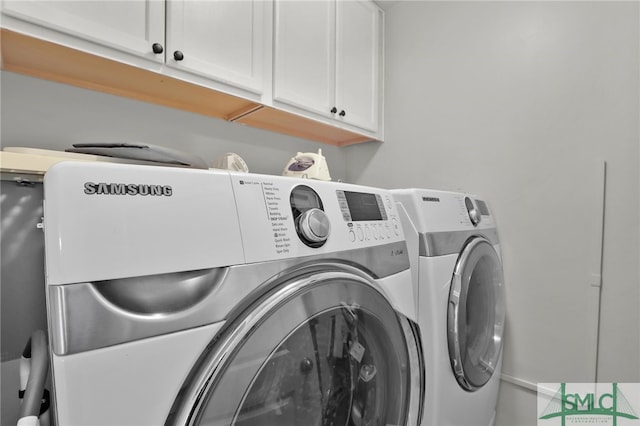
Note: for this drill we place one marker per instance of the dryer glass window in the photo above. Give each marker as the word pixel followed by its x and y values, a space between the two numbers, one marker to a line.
pixel 316 360
pixel 476 315
pixel 333 368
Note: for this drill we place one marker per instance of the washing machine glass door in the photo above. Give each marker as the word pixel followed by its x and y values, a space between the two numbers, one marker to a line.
pixel 476 312
pixel 323 350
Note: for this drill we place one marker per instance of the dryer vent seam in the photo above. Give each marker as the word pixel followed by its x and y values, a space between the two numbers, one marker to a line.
pixel 91 188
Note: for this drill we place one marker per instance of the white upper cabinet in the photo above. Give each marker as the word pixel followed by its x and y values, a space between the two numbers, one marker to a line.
pixel 308 68
pixel 327 59
pixel 304 54
pixel 215 41
pixel 358 63
pixel 128 26
pixel 222 39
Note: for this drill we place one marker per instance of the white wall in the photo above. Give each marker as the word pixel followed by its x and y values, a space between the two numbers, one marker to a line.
pixel 522 102
pixel 42 114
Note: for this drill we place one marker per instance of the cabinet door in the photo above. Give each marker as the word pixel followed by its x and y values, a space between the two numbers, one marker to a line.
pixel 304 55
pixel 223 40
pixel 130 26
pixel 358 63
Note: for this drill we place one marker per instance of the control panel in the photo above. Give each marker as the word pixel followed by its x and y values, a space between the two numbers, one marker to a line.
pixel 286 217
pixel 436 211
pixel 366 215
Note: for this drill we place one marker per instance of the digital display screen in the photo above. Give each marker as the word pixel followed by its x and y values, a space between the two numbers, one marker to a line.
pixel 363 206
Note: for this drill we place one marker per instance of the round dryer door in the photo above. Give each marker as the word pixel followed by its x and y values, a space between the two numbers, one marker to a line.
pixel 476 314
pixel 327 349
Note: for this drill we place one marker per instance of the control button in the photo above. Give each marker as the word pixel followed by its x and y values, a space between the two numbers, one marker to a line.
pixel 387 229
pixel 360 233
pixel 367 231
pixel 388 203
pixel 381 231
pixel 374 232
pixel 396 225
pixel 352 235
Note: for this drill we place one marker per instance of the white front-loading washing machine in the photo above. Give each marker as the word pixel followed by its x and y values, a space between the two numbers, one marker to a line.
pixel 193 297
pixel 461 303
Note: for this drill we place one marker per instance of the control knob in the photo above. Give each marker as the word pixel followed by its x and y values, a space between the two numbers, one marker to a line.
pixel 474 214
pixel 314 225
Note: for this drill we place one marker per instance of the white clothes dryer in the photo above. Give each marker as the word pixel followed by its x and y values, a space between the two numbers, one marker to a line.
pixel 195 297
pixel 455 256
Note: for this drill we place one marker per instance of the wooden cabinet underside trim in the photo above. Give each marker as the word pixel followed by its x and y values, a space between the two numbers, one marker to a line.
pixel 281 122
pixel 42 59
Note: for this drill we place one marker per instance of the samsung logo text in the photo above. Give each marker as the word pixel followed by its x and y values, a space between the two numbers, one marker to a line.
pixel 91 188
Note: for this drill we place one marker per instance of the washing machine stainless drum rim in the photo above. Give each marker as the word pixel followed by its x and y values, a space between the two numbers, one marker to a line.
pixel 475 315
pixel 325 347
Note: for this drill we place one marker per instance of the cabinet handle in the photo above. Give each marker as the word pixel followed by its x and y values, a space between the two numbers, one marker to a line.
pixel 342 113
pixel 178 55
pixel 157 48
pixel 334 110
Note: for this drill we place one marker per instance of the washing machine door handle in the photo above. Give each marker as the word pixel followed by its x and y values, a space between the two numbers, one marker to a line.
pixel 454 337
